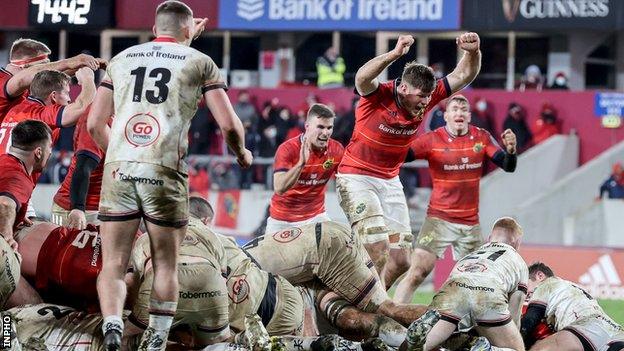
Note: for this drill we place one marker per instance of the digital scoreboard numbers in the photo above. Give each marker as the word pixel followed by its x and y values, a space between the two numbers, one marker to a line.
pixel 70 13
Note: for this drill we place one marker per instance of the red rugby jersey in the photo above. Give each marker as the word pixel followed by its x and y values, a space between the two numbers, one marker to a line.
pixel 306 198
pixel 7 101
pixel 83 145
pixel 455 164
pixel 16 183
pixel 31 108
pixel 68 264
pixel 383 131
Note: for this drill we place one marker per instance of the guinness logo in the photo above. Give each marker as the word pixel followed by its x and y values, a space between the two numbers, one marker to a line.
pixel 510 9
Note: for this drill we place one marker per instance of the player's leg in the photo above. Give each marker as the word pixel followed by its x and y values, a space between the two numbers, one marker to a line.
pixel 505 336
pixel 563 340
pixel 24 294
pixel 422 263
pixel 398 263
pixel 287 315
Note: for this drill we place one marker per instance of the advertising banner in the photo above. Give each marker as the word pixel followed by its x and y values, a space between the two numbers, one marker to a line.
pixel 328 15
pixel 540 14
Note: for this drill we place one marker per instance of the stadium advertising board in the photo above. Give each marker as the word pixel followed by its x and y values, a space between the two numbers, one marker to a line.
pixel 540 14
pixel 134 14
pixel 71 13
pixel 345 15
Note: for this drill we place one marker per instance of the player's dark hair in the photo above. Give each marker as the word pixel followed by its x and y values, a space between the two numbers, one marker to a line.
pixel 458 98
pixel 27 48
pixel 540 267
pixel 29 134
pixel 172 15
pixel 200 207
pixel 419 76
pixel 509 224
pixel 320 111
pixel 48 81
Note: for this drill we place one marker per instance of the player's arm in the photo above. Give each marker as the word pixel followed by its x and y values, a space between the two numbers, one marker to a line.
pixel 73 111
pixel 469 65
pixel 78 188
pixel 8 211
pixel 286 179
pixel 229 123
pixel 366 77
pixel 504 158
pixel 101 111
pixel 515 305
pixel 22 79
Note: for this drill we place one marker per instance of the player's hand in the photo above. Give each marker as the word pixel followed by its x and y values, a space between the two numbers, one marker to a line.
pixel 103 63
pixel 304 152
pixel 84 60
pixel 199 25
pixel 469 42
pixel 77 219
pixel 84 75
pixel 403 45
pixel 9 239
pixel 245 159
pixel 509 141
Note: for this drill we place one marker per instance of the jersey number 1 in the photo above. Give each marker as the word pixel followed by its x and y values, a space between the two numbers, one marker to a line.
pixel 162 75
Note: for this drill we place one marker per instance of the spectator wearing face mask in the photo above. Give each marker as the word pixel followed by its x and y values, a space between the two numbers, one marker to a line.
pixel 546 125
pixel 482 116
pixel 532 79
pixel 560 82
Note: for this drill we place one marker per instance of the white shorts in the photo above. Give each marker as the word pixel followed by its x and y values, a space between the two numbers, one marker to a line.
pixel 437 234
pixel 59 216
pixel 275 225
pixel 598 331
pixel 365 197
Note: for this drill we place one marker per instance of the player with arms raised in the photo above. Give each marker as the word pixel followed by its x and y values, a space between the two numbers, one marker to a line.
pixel 387 119
pixel 153 90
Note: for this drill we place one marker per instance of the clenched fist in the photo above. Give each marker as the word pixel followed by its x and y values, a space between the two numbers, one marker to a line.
pixel 469 42
pixel 509 141
pixel 402 46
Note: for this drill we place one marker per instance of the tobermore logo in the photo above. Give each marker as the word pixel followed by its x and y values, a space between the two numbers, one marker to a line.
pixel 250 9
pixel 602 280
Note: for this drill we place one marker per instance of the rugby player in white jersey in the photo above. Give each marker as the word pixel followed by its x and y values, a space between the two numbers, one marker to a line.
pixel 579 322
pixel 485 290
pixel 153 90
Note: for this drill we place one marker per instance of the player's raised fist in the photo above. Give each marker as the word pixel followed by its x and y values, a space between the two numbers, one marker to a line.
pixel 83 75
pixel 403 45
pixel 199 25
pixel 245 159
pixel 84 60
pixel 469 42
pixel 509 141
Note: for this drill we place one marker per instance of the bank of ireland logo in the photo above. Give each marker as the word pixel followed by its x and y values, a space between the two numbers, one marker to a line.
pixel 142 130
pixel 250 9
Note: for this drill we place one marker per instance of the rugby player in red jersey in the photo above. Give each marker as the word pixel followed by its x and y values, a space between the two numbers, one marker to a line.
pixel 302 167
pixel 387 118
pixel 49 102
pixel 26 58
pixel 76 202
pixel 456 154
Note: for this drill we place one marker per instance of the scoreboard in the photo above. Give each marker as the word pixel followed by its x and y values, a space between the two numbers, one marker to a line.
pixel 71 13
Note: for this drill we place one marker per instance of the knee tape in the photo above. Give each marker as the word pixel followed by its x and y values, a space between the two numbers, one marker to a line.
pixel 401 240
pixel 333 309
pixel 371 230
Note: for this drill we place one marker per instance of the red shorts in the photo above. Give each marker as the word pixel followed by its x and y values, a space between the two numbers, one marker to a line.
pixel 68 265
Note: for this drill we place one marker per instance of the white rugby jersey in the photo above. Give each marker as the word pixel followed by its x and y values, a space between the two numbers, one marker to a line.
pixel 494 265
pixel 565 302
pixel 156 88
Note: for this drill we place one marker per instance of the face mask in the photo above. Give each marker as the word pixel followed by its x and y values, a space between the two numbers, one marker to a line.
pixel 560 81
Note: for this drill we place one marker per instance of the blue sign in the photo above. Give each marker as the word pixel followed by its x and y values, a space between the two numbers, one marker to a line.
pixel 609 104
pixel 328 15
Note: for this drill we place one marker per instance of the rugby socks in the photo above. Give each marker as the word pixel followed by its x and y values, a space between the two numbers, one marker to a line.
pixel 112 323
pixel 391 332
pixel 161 314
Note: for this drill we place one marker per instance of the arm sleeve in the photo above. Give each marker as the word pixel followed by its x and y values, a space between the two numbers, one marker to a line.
pixel 15 185
pixel 505 161
pixel 212 76
pixel 285 158
pixel 441 92
pixel 52 115
pixel 534 314
pixel 85 164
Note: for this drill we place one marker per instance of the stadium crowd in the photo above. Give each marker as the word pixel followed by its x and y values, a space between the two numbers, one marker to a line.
pixel 130 261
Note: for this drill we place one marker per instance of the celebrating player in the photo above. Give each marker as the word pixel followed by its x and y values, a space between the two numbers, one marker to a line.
pixel 579 322
pixel 485 290
pixel 303 165
pixel 387 119
pixel 456 154
pixel 27 57
pixel 153 90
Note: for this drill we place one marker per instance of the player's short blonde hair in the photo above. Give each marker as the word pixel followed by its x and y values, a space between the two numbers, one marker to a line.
pixel 24 48
pixel 172 16
pixel 459 98
pixel 48 81
pixel 509 224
